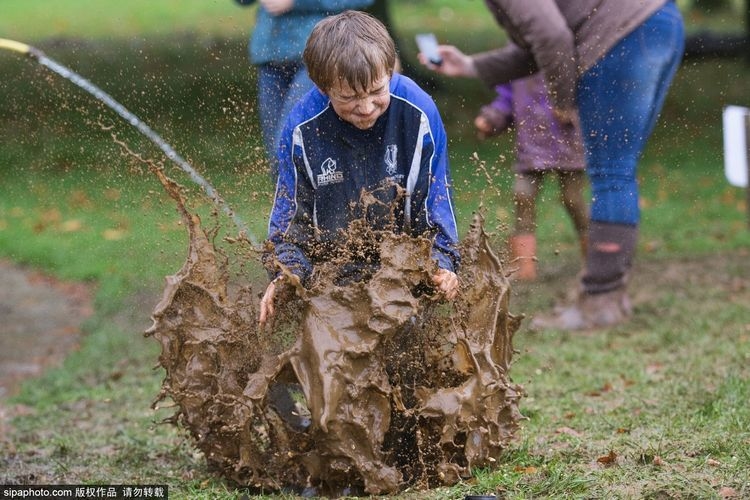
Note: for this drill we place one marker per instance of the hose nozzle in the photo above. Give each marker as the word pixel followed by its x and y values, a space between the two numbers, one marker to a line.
pixel 20 48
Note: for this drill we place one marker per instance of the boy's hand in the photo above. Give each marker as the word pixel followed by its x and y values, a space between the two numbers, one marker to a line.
pixel 447 283
pixel 277 7
pixel 266 303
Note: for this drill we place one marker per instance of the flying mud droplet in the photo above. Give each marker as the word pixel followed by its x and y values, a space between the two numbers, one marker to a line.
pixel 368 387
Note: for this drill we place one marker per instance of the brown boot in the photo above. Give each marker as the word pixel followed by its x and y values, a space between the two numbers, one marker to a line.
pixel 602 301
pixel 590 312
pixel 523 254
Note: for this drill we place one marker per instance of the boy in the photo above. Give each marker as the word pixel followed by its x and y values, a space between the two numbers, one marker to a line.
pixel 363 129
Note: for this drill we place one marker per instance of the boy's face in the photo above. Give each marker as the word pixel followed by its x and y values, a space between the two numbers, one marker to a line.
pixel 361 110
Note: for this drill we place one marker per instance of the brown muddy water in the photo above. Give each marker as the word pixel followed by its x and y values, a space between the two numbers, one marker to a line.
pixel 364 388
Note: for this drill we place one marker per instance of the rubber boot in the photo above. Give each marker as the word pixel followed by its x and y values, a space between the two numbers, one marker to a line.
pixel 523 254
pixel 603 300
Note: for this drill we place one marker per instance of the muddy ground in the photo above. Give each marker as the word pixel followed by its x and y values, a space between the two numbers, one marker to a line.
pixel 40 321
pixel 40 317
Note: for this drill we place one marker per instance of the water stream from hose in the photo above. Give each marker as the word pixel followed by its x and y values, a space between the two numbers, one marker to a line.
pixel 133 120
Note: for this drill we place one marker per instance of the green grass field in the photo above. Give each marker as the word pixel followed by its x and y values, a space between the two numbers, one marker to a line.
pixel 653 409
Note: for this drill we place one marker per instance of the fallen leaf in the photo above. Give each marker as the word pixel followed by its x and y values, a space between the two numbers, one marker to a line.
pixel 713 463
pixel 608 459
pixel 568 431
pixel 71 225
pixel 113 234
pixel 113 194
pixel 654 368
pixel 727 492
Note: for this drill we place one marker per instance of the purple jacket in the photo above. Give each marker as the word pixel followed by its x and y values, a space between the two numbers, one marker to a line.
pixel 542 143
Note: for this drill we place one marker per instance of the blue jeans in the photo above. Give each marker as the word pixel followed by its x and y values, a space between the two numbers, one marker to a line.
pixel 280 86
pixel 619 100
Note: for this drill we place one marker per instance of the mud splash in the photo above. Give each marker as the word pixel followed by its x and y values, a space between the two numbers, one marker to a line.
pixel 363 388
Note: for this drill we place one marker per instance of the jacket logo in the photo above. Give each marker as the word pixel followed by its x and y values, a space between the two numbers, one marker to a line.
pixel 329 174
pixel 391 162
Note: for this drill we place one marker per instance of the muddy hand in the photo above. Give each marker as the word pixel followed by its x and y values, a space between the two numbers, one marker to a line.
pixel 447 283
pixel 454 62
pixel 266 303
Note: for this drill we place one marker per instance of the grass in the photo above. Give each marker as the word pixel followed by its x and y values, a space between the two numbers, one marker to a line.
pixel 654 409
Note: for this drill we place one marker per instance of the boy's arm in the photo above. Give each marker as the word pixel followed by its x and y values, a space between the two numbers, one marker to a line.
pixel 439 203
pixel 290 227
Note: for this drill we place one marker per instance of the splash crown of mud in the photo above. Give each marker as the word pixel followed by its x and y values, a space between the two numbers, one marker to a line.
pixel 371 386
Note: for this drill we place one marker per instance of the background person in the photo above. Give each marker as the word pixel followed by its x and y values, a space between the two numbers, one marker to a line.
pixel 543 146
pixel 363 128
pixel 612 61
pixel 275 48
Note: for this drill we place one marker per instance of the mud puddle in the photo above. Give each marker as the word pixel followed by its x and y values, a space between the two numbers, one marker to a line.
pixel 365 388
pixel 40 319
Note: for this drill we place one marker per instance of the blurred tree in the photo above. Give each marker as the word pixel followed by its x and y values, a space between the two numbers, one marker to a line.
pixel 709 43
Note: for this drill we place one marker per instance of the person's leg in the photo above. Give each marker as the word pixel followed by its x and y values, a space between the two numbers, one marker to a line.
pixel 280 86
pixel 297 85
pixel 619 100
pixel 271 84
pixel 572 184
pixel 523 239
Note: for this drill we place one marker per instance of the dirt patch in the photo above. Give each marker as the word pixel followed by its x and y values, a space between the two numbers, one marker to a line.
pixel 40 324
pixel 40 320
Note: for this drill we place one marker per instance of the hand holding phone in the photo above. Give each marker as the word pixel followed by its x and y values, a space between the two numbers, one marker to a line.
pixel 427 43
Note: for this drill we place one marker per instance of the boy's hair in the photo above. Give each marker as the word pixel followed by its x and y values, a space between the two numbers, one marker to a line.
pixel 352 46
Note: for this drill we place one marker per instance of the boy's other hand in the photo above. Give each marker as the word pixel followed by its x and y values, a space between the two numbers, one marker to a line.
pixel 266 303
pixel 267 309
pixel 447 283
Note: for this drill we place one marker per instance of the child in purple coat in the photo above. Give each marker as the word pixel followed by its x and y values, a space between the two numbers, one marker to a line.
pixel 543 145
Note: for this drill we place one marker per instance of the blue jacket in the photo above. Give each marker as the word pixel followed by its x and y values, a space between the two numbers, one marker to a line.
pixel 282 38
pixel 325 163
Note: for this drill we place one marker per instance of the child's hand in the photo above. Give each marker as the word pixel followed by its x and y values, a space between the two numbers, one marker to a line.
pixel 490 122
pixel 447 283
